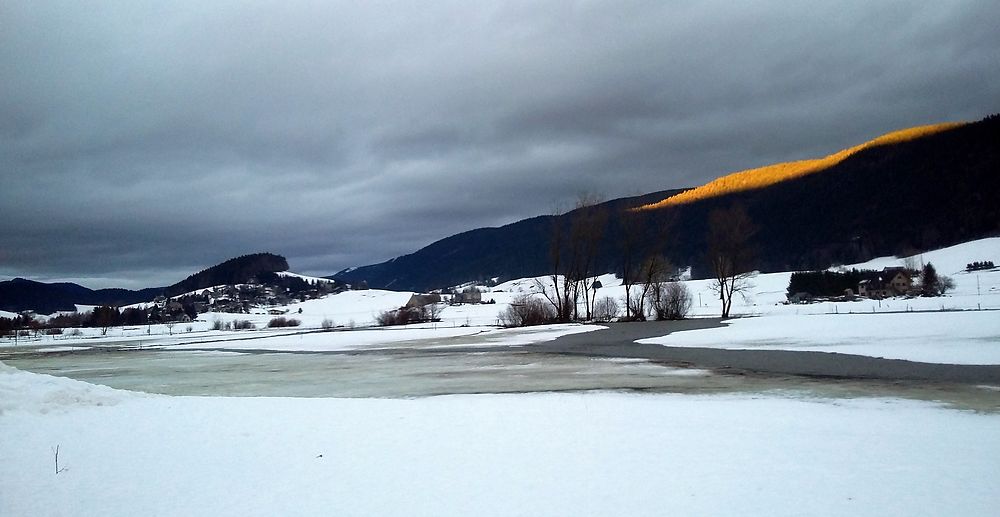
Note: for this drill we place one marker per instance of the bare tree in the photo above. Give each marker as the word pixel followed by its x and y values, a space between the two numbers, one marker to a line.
pixel 729 253
pixel 432 312
pixel 945 284
pixel 636 303
pixel 586 233
pixel 629 239
pixel 557 289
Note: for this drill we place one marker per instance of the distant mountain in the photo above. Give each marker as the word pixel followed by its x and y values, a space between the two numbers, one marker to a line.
pixel 910 190
pixel 19 294
pixel 239 270
pixel 516 250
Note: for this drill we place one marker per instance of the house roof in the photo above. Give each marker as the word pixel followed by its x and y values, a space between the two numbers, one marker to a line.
pixel 892 271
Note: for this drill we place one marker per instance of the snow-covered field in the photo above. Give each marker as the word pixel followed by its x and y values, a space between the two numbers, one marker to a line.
pixel 546 454
pixel 871 327
pixel 971 337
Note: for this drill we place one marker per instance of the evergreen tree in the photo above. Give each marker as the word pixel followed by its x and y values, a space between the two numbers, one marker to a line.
pixel 929 281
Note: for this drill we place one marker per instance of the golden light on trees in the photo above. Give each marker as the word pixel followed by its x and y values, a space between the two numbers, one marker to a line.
pixel 769 175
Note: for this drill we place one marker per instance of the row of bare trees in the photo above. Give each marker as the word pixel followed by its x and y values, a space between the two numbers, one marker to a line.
pixel 573 253
pixel 648 277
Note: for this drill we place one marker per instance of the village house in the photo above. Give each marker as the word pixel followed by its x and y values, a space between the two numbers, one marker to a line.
pixel 420 300
pixel 891 281
pixel 468 295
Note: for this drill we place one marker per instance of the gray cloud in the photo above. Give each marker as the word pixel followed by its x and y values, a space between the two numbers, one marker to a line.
pixel 142 141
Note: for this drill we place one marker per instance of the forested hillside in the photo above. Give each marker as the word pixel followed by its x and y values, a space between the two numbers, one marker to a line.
pixel 938 188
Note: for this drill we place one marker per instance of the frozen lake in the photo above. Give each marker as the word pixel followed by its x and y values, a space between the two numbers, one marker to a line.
pixel 395 373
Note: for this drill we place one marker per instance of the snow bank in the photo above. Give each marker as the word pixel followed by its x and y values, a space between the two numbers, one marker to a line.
pixel 36 393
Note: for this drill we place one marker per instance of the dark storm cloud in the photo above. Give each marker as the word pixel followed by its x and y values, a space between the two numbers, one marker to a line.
pixel 142 141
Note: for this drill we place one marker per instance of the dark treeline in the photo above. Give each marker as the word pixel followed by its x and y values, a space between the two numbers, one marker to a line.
pixel 19 295
pixel 104 317
pixel 828 283
pixel 979 265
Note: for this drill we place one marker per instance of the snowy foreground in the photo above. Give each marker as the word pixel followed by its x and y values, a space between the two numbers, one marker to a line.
pixel 546 454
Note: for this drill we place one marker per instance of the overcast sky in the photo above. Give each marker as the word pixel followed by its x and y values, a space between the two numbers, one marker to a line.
pixel 143 141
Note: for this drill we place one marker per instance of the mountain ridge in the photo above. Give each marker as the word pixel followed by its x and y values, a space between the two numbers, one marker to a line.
pixel 938 188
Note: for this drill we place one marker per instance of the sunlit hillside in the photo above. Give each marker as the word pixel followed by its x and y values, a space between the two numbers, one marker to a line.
pixel 768 175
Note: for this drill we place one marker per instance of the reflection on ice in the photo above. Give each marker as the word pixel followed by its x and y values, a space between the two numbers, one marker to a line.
pixel 376 374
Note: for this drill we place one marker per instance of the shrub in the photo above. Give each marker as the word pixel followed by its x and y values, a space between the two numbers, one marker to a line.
pixel 677 301
pixel 385 318
pixel 606 309
pixel 527 310
pixel 54 331
pixel 327 324
pixel 281 321
pixel 945 284
pixel 217 324
pixel 243 325
pixel 405 316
